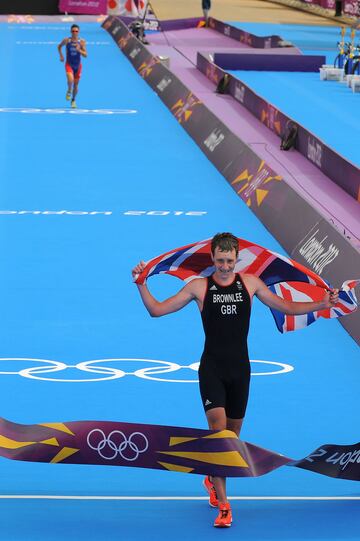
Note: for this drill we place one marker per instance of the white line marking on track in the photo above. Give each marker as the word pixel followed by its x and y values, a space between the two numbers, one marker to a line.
pixel 56 43
pixel 175 498
pixel 67 111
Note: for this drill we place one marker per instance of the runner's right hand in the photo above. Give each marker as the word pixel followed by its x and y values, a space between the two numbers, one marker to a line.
pixel 138 269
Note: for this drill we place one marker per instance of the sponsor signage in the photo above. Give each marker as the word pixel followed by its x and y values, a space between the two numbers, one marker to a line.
pixel 164 83
pixel 87 7
pixel 326 251
pixel 342 172
pixel 349 7
pixel 245 37
pixel 314 151
pixel 206 65
pixel 318 251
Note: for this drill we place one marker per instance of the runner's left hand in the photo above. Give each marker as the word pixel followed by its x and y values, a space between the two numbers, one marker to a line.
pixel 331 298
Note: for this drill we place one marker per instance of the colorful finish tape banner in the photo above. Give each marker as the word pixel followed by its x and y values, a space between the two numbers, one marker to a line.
pixel 187 450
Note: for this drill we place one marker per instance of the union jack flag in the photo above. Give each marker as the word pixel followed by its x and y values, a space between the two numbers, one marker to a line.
pixel 283 276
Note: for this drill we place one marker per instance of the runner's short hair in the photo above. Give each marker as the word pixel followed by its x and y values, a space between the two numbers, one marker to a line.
pixel 75 26
pixel 226 242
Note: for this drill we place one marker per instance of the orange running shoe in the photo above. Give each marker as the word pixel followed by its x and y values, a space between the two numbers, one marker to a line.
pixel 213 499
pixel 224 518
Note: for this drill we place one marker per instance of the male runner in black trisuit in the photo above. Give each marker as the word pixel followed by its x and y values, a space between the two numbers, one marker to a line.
pixel 224 300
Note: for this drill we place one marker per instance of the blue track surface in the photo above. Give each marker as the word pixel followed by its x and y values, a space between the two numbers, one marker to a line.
pixel 67 296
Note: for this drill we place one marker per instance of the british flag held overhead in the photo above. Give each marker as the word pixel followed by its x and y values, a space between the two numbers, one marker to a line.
pixel 284 277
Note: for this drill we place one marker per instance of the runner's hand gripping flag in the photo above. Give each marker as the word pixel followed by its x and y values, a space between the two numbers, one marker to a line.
pixel 284 277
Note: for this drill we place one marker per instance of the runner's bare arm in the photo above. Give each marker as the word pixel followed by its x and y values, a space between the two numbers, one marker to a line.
pixel 82 48
pixel 60 46
pixel 258 288
pixel 172 304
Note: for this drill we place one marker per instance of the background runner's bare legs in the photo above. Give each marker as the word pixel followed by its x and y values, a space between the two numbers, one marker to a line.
pixel 72 90
pixel 70 81
pixel 75 89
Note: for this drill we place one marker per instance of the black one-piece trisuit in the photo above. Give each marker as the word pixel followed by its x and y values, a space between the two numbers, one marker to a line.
pixel 224 372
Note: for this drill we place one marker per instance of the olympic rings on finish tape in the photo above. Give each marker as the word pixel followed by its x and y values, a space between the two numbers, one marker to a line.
pixel 116 443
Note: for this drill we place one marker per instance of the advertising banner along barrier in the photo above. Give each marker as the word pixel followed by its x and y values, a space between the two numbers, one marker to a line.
pixel 86 7
pixel 344 173
pixel 251 40
pixel 131 8
pixel 349 7
pixel 186 450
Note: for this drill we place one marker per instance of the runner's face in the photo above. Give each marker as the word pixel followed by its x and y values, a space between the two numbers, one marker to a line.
pixel 224 263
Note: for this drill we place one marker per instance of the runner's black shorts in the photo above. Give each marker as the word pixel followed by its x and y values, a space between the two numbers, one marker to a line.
pixel 206 4
pixel 225 385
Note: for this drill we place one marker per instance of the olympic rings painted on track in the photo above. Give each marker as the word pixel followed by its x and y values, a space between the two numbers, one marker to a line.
pixel 116 443
pixel 111 372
